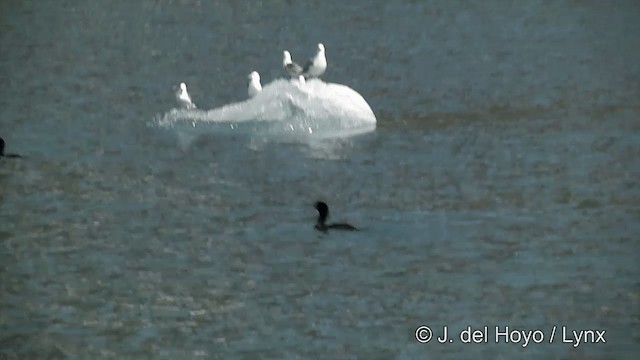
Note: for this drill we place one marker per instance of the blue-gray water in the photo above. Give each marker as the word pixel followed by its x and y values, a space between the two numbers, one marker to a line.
pixel 499 188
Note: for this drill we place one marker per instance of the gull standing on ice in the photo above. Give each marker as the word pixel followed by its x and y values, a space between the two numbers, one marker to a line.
pixel 290 67
pixel 254 84
pixel 183 98
pixel 317 65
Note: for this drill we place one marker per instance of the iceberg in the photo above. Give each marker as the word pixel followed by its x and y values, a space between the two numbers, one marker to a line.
pixel 283 107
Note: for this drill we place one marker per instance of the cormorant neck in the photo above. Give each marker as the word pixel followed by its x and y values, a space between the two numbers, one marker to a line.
pixel 321 226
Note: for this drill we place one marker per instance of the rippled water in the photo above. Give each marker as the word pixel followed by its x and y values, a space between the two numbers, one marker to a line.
pixel 499 188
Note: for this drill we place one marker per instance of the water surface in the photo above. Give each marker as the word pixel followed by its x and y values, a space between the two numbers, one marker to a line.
pixel 499 188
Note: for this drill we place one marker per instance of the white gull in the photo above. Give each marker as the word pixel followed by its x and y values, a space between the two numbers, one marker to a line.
pixel 254 84
pixel 317 65
pixel 183 98
pixel 289 66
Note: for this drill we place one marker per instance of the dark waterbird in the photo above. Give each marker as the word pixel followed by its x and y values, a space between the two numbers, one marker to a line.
pixel 323 214
pixel 2 154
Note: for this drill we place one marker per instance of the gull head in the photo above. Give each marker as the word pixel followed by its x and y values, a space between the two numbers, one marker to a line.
pixel 254 76
pixel 301 79
pixel 320 47
pixel 287 58
pixel 183 86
